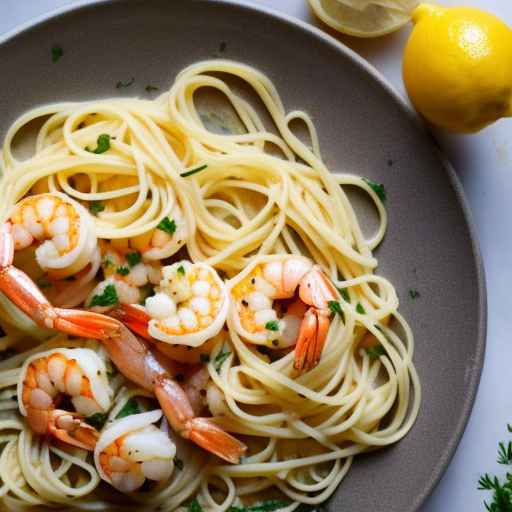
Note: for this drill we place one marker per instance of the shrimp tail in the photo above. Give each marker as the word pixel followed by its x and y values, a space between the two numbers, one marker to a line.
pixel 202 431
pixel 206 434
pixel 66 426
pixel 134 318
pixel 311 339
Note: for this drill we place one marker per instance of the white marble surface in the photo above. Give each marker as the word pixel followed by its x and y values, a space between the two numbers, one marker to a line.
pixel 484 164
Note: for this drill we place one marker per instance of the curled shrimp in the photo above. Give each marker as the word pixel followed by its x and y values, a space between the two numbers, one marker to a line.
pixel 45 378
pixel 189 307
pixel 133 357
pixel 132 449
pixel 60 234
pixel 60 228
pixel 127 273
pixel 283 301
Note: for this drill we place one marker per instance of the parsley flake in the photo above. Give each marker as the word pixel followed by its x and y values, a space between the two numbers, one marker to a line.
pixel 102 144
pixel 168 225
pixel 375 351
pixel 122 270
pixel 107 298
pixel 414 294
pixel 129 408
pixel 193 171
pixel 265 506
pixel 220 358
pixel 133 258
pixel 194 506
pixel 122 84
pixel 97 420
pixel 345 295
pixel 181 270
pixel 57 53
pixel 107 261
pixel 96 207
pixel 360 309
pixel 150 88
pixel 378 188
pixel 204 358
pixel 43 282
pixel 335 307
pixel 272 325
pixel 178 463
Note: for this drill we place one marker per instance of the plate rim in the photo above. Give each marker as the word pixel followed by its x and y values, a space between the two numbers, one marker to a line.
pixel 325 38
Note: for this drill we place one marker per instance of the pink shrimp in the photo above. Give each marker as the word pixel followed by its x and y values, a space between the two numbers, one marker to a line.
pixel 132 356
pixel 306 320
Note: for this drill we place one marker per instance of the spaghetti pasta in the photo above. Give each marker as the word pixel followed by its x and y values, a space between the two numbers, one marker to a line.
pixel 229 196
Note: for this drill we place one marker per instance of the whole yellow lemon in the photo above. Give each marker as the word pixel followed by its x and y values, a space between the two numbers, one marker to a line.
pixel 457 67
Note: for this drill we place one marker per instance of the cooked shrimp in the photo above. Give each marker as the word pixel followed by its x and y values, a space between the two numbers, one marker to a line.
pixel 60 228
pixel 133 449
pixel 132 356
pixel 190 306
pixel 45 378
pixel 128 274
pixel 281 301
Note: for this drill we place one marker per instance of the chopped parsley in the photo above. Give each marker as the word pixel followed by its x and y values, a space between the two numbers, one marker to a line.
pixel 97 420
pixel 181 270
pixel 133 258
pixel 344 293
pixel 102 145
pixel 168 225
pixel 360 309
pixel 264 506
pixel 194 506
pixel 375 351
pixel 43 283
pixel 178 463
pixel 414 294
pixel 121 84
pixel 272 325
pixel 122 270
pixel 220 358
pixel 501 490
pixel 107 298
pixel 335 307
pixel 129 408
pixel 378 188
pixel 107 261
pixel 96 207
pixel 193 171
pixel 204 358
pixel 150 88
pixel 57 53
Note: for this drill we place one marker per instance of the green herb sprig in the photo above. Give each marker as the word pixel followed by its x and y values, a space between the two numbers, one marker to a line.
pixel 501 489
pixel 107 298
pixel 193 171
pixel 220 358
pixel 378 188
pixel 102 145
pixel 168 225
pixel 129 408
pixel 97 420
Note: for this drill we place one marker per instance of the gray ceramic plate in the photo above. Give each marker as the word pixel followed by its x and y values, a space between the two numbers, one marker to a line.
pixel 364 128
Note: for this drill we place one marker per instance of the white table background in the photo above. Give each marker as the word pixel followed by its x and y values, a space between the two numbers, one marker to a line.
pixel 484 164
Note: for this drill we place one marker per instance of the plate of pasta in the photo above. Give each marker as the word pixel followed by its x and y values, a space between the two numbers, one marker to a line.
pixel 235 273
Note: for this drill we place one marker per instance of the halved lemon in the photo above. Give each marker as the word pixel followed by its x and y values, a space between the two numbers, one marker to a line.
pixel 364 18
